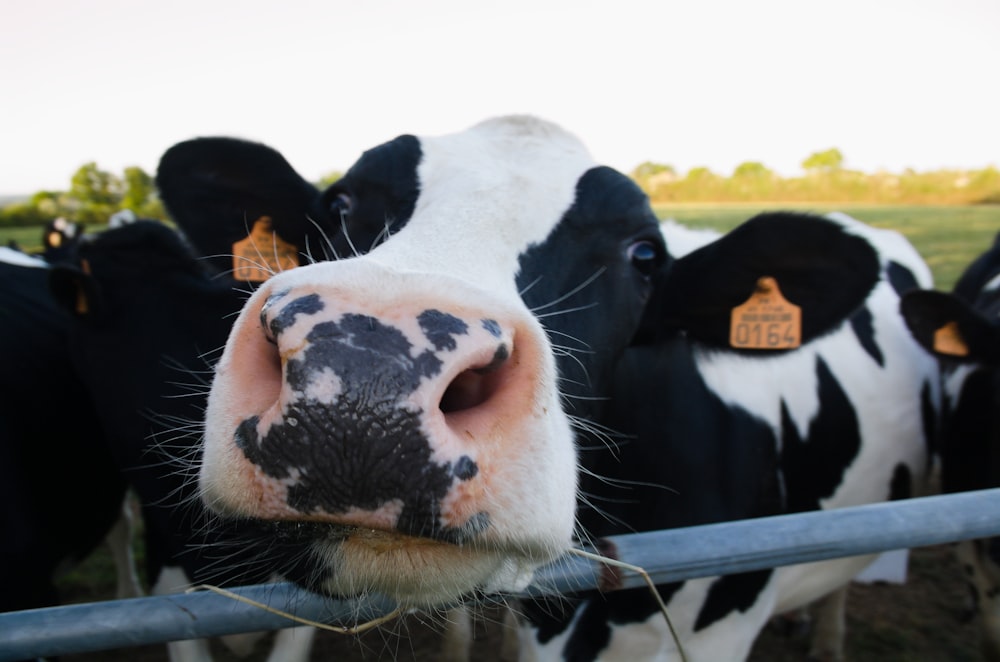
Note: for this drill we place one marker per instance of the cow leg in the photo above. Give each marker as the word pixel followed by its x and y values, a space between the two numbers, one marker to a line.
pixel 510 645
pixel 456 645
pixel 172 580
pixel 829 626
pixel 119 541
pixel 292 644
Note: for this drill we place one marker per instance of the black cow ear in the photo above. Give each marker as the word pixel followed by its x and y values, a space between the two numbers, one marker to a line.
pixel 75 291
pixel 787 278
pixel 223 191
pixel 949 327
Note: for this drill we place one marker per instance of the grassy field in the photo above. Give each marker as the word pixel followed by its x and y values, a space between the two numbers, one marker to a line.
pixel 948 237
pixel 29 238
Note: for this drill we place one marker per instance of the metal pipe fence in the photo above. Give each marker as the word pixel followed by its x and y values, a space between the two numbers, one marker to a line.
pixel 669 555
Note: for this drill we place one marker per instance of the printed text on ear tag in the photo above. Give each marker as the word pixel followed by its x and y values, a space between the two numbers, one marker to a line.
pixel 766 320
pixel 948 340
pixel 263 253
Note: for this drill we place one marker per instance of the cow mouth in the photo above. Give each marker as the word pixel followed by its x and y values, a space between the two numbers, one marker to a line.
pixel 417 572
pixel 344 561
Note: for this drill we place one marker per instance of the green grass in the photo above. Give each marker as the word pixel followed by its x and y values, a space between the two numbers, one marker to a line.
pixel 948 237
pixel 28 238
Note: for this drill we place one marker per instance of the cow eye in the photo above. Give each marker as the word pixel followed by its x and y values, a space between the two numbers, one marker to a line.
pixel 341 204
pixel 645 256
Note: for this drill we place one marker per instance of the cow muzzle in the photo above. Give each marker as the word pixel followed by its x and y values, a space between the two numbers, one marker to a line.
pixel 387 403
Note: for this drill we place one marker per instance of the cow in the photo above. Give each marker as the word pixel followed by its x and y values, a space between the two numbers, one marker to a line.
pixel 513 207
pixel 708 431
pixel 59 239
pixel 962 331
pixel 60 493
pixel 146 312
pixel 396 417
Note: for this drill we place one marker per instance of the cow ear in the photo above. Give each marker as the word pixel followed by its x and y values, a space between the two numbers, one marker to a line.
pixel 75 291
pixel 218 190
pixel 948 327
pixel 803 272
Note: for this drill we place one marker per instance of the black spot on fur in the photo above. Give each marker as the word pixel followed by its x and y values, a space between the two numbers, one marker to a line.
pixel 901 486
pixel 814 467
pixel 862 324
pixel 492 327
pixel 465 468
pixel 440 328
pixel 901 278
pixel 309 304
pixel 731 593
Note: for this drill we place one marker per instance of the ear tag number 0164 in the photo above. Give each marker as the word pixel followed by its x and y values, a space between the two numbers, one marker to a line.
pixel 767 320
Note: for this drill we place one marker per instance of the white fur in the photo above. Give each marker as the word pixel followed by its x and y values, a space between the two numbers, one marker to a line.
pixel 11 256
pixel 682 239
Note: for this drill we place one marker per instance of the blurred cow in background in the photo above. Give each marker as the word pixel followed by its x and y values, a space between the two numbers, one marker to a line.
pixel 962 330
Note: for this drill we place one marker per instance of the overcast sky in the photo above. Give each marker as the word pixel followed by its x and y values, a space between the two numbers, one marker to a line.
pixel 891 83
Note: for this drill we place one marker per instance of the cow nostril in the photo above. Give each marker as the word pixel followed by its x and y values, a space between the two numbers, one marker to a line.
pixel 466 391
pixel 475 386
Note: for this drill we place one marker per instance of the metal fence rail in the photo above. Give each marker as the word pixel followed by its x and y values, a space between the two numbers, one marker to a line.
pixel 667 556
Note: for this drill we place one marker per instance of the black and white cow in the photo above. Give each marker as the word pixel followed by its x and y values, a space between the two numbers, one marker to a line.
pixel 710 433
pixel 60 493
pixel 399 416
pixel 962 329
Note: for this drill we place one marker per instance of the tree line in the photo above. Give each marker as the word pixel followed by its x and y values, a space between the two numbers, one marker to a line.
pixel 825 179
pixel 95 194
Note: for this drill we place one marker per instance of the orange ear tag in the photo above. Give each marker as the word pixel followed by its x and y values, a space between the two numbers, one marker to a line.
pixel 948 340
pixel 766 320
pixel 263 253
pixel 82 303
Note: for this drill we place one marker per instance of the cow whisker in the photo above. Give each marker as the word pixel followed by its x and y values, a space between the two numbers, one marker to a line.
pixel 587 501
pixel 597 274
pixel 383 236
pixel 347 235
pixel 585 347
pixel 327 242
pixel 565 311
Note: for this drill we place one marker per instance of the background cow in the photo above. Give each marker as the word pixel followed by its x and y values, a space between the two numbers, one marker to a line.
pixel 141 292
pixel 60 493
pixel 708 432
pixel 963 331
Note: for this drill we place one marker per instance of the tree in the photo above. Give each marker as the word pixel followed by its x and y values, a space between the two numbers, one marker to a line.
pixel 829 160
pixel 648 169
pixel 97 194
pixel 752 170
pixel 139 189
pixel 328 178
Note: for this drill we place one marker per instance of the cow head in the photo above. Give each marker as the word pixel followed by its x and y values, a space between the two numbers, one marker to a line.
pixel 408 413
